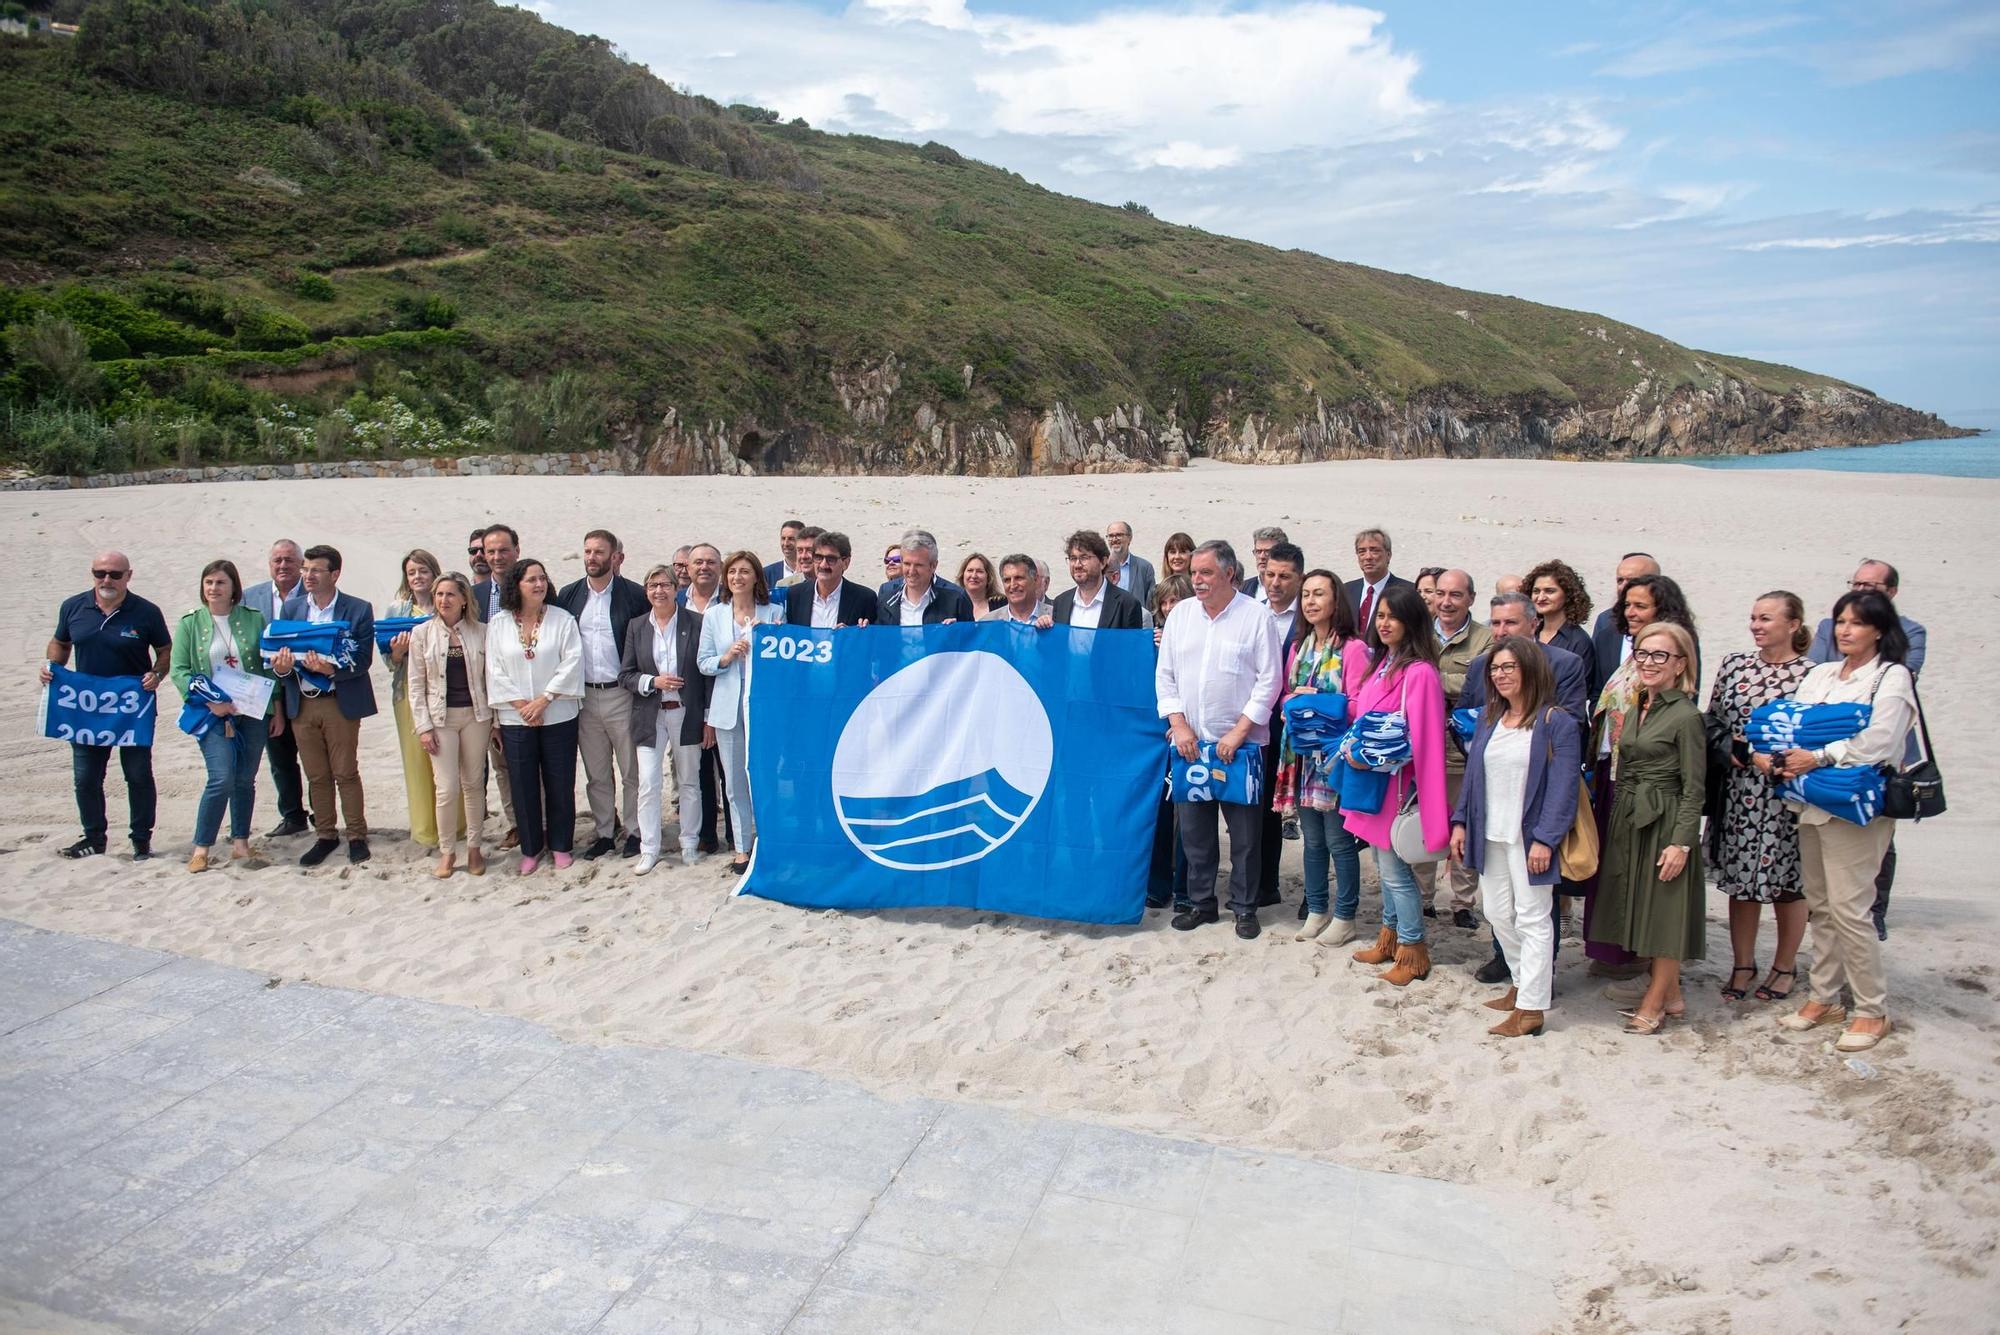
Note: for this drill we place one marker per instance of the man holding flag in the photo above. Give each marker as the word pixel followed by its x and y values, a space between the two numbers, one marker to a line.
pixel 326 697
pixel 113 632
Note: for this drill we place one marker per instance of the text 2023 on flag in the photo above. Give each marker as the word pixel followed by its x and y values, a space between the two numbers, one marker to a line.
pixel 98 711
pixel 983 766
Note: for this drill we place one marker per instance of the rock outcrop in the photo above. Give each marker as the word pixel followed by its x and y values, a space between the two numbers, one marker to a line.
pixel 890 429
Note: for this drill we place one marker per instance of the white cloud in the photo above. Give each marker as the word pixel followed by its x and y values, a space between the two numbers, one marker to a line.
pixel 1193 157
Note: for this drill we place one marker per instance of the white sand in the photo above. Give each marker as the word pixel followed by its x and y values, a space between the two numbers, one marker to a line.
pixel 1720 1178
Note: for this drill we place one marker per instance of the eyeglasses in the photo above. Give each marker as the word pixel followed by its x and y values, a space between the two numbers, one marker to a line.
pixel 109 574
pixel 826 558
pixel 1503 669
pixel 1654 657
pixel 1867 586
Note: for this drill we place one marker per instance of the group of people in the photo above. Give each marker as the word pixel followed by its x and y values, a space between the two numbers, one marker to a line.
pixel 1516 741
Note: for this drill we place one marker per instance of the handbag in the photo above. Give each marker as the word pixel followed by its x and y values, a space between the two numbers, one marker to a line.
pixel 1406 834
pixel 1916 792
pixel 1577 854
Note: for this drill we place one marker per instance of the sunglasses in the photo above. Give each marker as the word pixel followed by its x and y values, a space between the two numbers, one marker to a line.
pixel 109 574
pixel 892 560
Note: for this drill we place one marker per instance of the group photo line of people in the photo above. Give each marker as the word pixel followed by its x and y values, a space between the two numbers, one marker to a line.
pixel 1546 767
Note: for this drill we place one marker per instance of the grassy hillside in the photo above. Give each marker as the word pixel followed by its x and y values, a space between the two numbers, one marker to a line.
pixel 284 264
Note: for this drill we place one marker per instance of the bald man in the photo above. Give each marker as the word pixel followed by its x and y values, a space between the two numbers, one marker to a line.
pixel 1609 649
pixel 112 632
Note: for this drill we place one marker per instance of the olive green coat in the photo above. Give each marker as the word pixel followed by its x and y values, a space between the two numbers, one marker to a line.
pixel 1662 764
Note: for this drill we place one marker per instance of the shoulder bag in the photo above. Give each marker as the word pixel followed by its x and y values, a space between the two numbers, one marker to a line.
pixel 1917 792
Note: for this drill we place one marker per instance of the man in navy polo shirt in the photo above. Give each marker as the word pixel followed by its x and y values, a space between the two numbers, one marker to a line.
pixel 112 632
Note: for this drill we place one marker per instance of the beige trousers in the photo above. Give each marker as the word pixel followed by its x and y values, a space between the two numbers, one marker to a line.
pixel 462 742
pixel 329 753
pixel 1840 865
pixel 604 738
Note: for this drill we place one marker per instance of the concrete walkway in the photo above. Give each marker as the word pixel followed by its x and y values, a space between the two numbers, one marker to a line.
pixel 188 1147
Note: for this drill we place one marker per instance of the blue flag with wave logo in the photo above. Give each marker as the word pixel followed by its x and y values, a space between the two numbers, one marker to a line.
pixel 984 766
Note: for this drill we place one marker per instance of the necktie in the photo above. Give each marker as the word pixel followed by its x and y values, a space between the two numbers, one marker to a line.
pixel 1367 606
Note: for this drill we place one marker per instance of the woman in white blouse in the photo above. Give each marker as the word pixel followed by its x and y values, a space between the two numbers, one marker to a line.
pixel 534 682
pixel 725 645
pixel 1841 858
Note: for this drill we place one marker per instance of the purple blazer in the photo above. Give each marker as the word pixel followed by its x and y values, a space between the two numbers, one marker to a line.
pixel 1548 806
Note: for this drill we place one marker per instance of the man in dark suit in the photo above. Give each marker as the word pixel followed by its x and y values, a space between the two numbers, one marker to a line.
pixel 669 706
pixel 922 599
pixel 502 546
pixel 1371 553
pixel 1608 644
pixel 282 751
pixel 604 603
pixel 1095 603
pixel 830 600
pixel 1261 543
pixel 327 723
pixel 1284 569
pixel 793 564
pixel 1128 570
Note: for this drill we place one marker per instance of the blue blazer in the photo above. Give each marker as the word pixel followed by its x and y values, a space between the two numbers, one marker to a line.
pixel 352 690
pixel 1572 676
pixel 1555 760
pixel 1608 651
pixel 725 690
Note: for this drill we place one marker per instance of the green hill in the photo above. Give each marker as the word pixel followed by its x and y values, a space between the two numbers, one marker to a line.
pixel 328 228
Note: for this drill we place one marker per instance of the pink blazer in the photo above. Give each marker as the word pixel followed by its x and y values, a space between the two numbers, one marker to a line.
pixel 1425 709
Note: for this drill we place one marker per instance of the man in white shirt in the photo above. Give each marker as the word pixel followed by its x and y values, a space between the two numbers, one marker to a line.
pixel 1218 677
pixel 1134 574
pixel 282 751
pixel 604 603
pixel 1018 584
pixel 1095 603
pixel 704 587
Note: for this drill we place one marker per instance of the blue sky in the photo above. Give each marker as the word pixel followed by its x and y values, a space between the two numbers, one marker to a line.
pixel 1817 184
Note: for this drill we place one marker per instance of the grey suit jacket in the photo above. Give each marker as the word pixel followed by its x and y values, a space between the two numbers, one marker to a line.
pixel 264 598
pixel 1137 579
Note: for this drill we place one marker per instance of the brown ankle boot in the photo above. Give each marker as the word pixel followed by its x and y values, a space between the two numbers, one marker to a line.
pixel 1381 952
pixel 1521 1024
pixel 1413 964
pixel 1505 1003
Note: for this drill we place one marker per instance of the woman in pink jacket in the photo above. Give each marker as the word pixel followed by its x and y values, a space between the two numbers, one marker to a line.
pixel 1405 678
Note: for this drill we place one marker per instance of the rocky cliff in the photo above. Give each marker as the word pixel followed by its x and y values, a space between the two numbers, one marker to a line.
pixel 891 429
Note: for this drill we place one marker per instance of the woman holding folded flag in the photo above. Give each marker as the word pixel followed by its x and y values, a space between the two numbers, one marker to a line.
pixel 212 643
pixel 408 609
pixel 1841 844
pixel 1327 656
pixel 1404 690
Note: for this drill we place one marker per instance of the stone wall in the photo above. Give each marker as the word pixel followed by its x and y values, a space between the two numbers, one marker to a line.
pixel 475 465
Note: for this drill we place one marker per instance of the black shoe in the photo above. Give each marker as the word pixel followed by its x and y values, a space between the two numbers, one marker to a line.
pixel 598 848
pixel 1430 912
pixel 1463 918
pixel 1158 901
pixel 631 846
pixel 357 850
pixel 317 854
pixel 82 848
pixel 142 850
pixel 1494 970
pixel 1246 926
pixel 1189 919
pixel 709 846
pixel 288 827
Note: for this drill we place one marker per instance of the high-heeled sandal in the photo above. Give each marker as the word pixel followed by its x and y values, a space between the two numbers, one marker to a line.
pixel 1767 993
pixel 1639 1024
pixel 1731 992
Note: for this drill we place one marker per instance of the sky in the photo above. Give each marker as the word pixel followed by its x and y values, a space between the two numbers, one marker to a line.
pixel 1814 184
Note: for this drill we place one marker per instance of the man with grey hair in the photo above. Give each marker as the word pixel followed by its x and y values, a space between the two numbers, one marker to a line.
pixel 1218 675
pixel 281 751
pixel 922 599
pixel 1127 570
pixel 1462 639
pixel 1261 543
pixel 1371 553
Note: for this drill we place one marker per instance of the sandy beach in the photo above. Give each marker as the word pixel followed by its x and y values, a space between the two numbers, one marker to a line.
pixel 1723 1177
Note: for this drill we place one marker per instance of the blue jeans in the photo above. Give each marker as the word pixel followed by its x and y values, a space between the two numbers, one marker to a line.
pixel 232 778
pixel 1327 840
pixel 1402 902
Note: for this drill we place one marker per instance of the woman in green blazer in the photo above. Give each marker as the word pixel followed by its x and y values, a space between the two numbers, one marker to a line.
pixel 223 633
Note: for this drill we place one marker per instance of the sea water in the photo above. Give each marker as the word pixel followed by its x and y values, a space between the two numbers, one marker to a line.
pixel 1964 456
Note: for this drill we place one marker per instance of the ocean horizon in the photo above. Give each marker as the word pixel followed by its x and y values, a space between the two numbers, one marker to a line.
pixel 1957 456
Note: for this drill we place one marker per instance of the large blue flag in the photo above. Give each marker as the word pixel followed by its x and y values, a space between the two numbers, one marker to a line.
pixel 98 711
pixel 982 765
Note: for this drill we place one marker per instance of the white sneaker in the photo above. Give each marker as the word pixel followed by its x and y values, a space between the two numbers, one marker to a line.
pixel 1338 932
pixel 690 857
pixel 647 861
pixel 1312 927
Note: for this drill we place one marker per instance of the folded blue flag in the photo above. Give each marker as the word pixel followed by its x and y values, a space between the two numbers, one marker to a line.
pixel 332 640
pixel 1363 790
pixel 196 718
pixel 1380 740
pixel 1464 722
pixel 1315 723
pixel 1851 792
pixel 1208 779
pixel 388 628
pixel 1787 725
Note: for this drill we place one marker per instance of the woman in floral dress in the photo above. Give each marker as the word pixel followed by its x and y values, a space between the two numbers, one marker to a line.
pixel 1753 841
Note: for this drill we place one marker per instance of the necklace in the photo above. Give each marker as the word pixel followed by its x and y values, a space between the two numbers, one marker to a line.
pixel 530 637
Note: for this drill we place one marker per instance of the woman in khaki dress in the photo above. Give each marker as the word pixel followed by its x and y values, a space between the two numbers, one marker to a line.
pixel 1650 884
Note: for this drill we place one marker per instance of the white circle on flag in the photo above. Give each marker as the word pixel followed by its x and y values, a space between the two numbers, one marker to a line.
pixel 942 762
